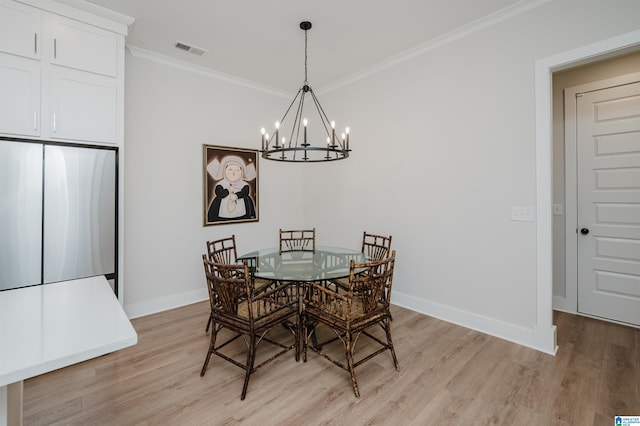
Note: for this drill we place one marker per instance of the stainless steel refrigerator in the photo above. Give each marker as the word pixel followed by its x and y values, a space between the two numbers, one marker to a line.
pixel 58 212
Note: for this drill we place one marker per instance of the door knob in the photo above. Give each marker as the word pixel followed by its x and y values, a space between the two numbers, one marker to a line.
pixel 584 231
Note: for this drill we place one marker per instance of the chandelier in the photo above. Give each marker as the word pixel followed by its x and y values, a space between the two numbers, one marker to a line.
pixel 297 148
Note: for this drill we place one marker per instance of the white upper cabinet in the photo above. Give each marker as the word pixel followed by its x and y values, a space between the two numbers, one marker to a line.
pixel 83 106
pixel 83 47
pixel 19 95
pixel 61 72
pixel 20 29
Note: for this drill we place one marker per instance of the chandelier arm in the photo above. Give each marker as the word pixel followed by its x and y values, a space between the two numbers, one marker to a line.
pixel 298 119
pixel 290 105
pixel 296 123
pixel 323 116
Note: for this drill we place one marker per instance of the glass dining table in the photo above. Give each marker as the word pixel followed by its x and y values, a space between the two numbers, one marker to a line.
pixel 303 267
pixel 325 263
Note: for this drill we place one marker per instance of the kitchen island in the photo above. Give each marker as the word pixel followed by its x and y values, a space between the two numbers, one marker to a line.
pixel 46 327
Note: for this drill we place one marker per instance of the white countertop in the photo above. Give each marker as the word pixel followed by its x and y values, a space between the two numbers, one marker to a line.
pixel 46 327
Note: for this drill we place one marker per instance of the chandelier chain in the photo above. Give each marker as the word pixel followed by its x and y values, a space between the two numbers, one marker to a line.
pixel 305 57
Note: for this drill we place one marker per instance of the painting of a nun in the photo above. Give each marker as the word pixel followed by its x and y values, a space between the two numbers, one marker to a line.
pixel 231 181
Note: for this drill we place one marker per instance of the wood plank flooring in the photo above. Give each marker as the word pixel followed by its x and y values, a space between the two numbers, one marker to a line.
pixel 448 375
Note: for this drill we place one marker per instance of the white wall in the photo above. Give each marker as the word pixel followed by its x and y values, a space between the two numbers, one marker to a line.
pixel 170 113
pixel 444 145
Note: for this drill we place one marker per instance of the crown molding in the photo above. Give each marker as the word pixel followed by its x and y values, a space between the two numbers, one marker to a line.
pixel 207 72
pixel 460 32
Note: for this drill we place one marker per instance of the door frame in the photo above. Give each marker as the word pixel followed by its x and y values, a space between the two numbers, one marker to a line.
pixel 570 302
pixel 544 332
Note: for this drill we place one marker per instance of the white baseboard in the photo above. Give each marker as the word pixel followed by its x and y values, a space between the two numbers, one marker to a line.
pixel 535 338
pixel 136 310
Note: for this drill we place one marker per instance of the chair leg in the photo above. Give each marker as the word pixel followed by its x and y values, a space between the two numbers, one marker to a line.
pixel 352 371
pixel 212 345
pixel 314 337
pixel 209 323
pixel 298 337
pixel 387 330
pixel 206 363
pixel 251 357
pixel 305 339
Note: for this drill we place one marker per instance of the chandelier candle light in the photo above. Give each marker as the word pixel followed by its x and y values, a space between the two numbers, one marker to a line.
pixel 274 148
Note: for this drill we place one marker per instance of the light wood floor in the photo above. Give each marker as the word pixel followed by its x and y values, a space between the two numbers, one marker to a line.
pixel 448 375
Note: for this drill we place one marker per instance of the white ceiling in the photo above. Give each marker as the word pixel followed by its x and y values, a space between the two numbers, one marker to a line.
pixel 261 41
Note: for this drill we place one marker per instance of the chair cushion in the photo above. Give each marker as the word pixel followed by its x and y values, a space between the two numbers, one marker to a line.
pixel 338 309
pixel 264 311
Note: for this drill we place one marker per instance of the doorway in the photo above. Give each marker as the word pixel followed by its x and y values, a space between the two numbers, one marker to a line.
pixel 602 128
pixel 544 332
pixel 589 79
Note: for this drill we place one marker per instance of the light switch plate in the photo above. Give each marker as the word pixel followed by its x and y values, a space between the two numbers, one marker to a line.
pixel 557 209
pixel 522 214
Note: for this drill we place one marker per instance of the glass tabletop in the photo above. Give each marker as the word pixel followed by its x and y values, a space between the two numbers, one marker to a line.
pixel 326 263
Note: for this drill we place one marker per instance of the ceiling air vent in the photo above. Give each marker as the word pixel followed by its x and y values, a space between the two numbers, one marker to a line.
pixel 191 49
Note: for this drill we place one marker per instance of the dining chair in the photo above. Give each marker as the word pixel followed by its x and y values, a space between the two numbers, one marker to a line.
pixel 374 247
pixel 249 315
pixel 352 314
pixel 221 251
pixel 225 250
pixel 297 240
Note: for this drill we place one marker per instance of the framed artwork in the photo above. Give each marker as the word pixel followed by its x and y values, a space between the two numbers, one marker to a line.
pixel 230 186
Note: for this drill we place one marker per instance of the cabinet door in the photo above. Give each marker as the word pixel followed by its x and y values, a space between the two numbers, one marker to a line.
pixel 83 106
pixel 19 95
pixel 20 29
pixel 83 47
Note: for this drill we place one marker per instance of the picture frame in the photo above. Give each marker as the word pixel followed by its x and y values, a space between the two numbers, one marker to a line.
pixel 230 185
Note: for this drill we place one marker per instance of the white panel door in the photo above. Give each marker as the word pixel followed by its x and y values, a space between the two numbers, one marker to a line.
pixel 608 136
